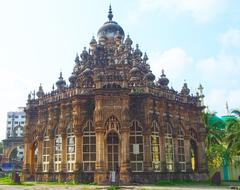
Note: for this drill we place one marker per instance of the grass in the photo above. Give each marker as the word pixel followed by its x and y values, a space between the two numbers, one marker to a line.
pixel 112 187
pixel 180 182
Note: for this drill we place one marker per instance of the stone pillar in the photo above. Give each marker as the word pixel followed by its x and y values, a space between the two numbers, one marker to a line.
pixel 187 151
pixel 202 164
pixel 78 149
pixel 26 162
pixel 162 152
pixel 40 153
pixel 100 172
pixel 51 153
pixel 64 152
pixel 124 157
pixel 175 154
pixel 147 151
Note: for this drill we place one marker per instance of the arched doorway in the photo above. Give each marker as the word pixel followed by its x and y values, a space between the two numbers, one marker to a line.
pixel 113 156
pixel 113 151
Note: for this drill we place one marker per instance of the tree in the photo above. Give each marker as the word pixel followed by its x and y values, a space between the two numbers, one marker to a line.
pixel 233 132
pixel 214 139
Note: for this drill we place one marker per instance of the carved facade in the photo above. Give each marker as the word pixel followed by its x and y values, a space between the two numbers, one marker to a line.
pixel 113 121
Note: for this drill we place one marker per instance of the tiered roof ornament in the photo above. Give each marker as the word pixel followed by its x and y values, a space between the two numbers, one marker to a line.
pixel 112 62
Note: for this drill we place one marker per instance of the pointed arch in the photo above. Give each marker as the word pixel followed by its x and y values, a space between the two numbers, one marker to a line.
pixel 112 123
pixel 136 146
pixel 89 147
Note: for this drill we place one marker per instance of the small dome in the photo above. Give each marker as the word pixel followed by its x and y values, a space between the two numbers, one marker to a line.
pixel 163 81
pixel 93 42
pixel 87 72
pixel 72 78
pixel 128 41
pixel 185 90
pixel 40 92
pixel 134 70
pixel 137 52
pixel 110 29
pixel 150 76
pixel 61 82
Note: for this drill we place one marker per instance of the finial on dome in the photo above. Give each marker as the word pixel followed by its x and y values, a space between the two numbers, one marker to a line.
pixel 110 15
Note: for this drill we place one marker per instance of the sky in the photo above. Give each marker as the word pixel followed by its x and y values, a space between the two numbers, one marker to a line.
pixel 197 41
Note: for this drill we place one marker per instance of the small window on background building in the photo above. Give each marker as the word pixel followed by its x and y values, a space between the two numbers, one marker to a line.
pixel 16 116
pixel 22 122
pixel 16 122
pixel 9 116
pixel 22 116
pixel 9 122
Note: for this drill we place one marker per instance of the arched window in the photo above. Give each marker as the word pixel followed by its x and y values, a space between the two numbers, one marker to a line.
pixel 46 149
pixel 181 154
pixel 89 147
pixel 169 147
pixel 70 149
pixel 155 147
pixel 57 150
pixel 112 123
pixel 136 147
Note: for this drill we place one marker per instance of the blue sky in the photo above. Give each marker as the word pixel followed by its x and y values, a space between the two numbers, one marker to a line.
pixel 196 40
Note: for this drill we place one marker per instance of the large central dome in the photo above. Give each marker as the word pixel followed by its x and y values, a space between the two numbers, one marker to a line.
pixel 110 29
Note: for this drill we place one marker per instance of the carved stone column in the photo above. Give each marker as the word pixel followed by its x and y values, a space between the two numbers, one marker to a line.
pixel 147 151
pixel 40 153
pixel 202 164
pixel 64 152
pixel 51 152
pixel 77 126
pixel 100 172
pixel 51 139
pixel 124 162
pixel 187 152
pixel 175 153
pixel 26 163
pixel 162 152
pixel 78 153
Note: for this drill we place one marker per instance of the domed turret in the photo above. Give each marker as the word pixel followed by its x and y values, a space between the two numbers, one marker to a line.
pixel 61 82
pixel 128 41
pixel 185 90
pixel 149 76
pixel 93 43
pixel 137 52
pixel 110 29
pixel 40 91
pixel 163 81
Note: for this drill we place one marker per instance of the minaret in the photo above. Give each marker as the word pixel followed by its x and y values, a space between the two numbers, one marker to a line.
pixel 227 108
pixel 201 96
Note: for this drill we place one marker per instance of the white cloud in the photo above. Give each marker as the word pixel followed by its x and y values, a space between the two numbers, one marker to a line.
pixel 200 10
pixel 175 62
pixel 221 70
pixel 218 74
pixel 217 98
pixel 231 37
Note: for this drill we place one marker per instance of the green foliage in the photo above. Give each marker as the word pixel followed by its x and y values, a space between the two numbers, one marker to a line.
pixel 112 187
pixel 179 182
pixel 222 139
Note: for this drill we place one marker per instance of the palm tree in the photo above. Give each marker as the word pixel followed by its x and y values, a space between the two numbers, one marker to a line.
pixel 214 139
pixel 233 132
